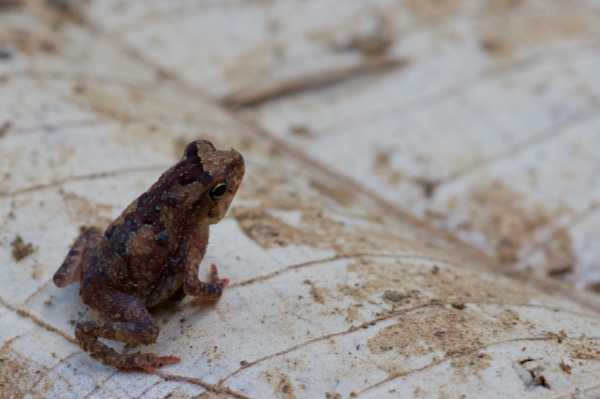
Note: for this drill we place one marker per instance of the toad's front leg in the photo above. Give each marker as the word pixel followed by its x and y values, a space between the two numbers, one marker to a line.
pixel 204 292
pixel 125 319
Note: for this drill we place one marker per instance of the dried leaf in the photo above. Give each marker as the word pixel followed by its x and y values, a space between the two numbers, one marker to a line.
pixel 426 229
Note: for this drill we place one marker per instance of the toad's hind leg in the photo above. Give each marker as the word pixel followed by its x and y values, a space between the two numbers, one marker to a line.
pixel 71 268
pixel 125 319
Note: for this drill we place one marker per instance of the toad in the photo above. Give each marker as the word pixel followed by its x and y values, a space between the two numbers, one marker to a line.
pixel 151 253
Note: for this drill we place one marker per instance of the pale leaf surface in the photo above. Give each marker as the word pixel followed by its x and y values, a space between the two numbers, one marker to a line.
pixel 419 216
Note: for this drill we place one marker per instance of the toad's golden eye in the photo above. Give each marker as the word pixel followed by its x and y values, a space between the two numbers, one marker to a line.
pixel 218 191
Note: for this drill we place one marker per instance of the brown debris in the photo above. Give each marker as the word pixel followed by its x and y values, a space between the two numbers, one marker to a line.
pixel 301 131
pixel 69 10
pixel 5 127
pixel 427 185
pixel 21 249
pixel 383 167
pixel 274 89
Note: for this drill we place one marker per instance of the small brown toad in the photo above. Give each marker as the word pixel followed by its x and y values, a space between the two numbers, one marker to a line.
pixel 151 253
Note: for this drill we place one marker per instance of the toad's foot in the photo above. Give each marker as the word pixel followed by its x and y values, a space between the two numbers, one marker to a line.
pixel 124 319
pixel 146 361
pixel 214 277
pixel 86 335
pixel 212 291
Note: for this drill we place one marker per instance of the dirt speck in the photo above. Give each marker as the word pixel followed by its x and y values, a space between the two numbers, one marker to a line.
pixel 428 186
pixel 393 296
pixel 21 249
pixel 532 373
pixel 383 168
pixel 5 127
pixel 564 367
pixel 372 42
pixel 79 88
pixel 315 292
pixel 301 131
pixel 594 287
pixel 282 382
pixel 373 45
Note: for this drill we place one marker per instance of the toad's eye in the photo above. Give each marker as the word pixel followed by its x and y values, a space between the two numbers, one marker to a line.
pixel 218 191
